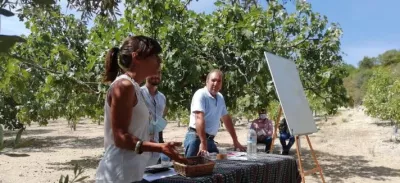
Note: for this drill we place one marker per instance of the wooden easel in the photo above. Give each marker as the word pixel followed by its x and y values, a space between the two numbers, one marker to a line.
pixel 302 172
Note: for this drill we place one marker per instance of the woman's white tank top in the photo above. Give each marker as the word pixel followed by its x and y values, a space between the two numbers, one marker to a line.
pixel 120 165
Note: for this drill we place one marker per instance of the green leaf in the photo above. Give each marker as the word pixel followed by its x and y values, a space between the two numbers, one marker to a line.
pixel 247 33
pixel 61 179
pixel 6 12
pixel 81 179
pixel 218 3
pixel 75 169
pixel 66 180
pixel 6 42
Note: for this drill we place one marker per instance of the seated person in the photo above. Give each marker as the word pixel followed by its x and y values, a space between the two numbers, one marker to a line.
pixel 264 129
pixel 285 135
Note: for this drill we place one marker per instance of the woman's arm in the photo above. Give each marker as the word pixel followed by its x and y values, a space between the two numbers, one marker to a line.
pixel 123 99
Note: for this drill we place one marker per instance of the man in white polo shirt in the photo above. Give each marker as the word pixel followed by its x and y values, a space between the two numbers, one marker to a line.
pixel 207 109
pixel 156 102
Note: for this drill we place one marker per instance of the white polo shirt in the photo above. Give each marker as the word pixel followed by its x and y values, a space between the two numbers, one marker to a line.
pixel 212 107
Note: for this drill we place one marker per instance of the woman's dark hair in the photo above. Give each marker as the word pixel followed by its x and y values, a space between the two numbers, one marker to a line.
pixel 119 59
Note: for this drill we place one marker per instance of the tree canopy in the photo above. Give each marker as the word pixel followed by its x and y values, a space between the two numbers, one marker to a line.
pixel 375 85
pixel 58 71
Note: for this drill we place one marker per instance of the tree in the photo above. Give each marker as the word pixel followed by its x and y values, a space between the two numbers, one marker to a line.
pixel 63 62
pixel 382 97
pixel 47 76
pixel 390 57
pixel 394 102
pixel 367 63
pixel 88 8
pixel 357 82
pixel 349 68
pixel 9 109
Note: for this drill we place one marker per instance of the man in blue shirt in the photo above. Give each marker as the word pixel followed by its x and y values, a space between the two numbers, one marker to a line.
pixel 285 135
pixel 156 103
pixel 206 110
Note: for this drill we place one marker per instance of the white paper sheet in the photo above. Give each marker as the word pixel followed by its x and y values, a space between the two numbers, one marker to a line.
pixel 241 156
pixel 244 158
pixel 155 176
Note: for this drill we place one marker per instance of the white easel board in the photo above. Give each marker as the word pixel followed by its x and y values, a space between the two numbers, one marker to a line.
pixel 291 95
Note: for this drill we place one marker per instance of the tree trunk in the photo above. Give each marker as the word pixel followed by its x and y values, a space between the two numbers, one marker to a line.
pixel 18 136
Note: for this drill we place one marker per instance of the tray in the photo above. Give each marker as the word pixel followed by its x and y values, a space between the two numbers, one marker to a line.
pixel 201 167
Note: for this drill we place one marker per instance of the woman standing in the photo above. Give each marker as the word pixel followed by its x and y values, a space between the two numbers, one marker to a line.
pixel 126 117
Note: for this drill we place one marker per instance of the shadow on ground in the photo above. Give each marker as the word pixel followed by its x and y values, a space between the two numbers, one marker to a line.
pixel 86 162
pixel 13 133
pixel 51 144
pixel 14 154
pixel 383 123
pixel 339 168
pixel 322 118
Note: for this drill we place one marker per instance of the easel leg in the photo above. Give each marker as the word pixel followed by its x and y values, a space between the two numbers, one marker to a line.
pixel 299 158
pixel 314 170
pixel 315 159
pixel 271 149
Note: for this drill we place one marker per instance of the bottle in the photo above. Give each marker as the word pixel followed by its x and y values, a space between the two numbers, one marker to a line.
pixel 251 143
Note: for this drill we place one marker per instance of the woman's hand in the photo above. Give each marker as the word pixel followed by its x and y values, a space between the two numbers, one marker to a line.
pixel 169 149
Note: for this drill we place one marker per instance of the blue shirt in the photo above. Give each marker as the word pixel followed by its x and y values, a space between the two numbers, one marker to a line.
pixel 156 105
pixel 212 107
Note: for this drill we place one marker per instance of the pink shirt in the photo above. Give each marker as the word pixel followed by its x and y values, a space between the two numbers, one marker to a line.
pixel 263 128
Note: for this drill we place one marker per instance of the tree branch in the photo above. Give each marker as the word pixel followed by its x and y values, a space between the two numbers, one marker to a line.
pixel 301 42
pixel 75 80
pixel 22 60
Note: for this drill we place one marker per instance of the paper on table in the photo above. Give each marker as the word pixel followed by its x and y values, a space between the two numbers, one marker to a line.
pixel 237 156
pixel 152 177
pixel 160 165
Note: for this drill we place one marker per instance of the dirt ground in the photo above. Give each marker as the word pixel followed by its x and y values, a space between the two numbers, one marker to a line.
pixel 350 146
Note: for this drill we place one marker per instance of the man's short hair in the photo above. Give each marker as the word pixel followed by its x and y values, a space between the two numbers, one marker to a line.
pixel 214 71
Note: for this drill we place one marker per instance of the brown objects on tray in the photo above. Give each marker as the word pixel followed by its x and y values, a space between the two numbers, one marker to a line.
pixel 198 166
pixel 222 156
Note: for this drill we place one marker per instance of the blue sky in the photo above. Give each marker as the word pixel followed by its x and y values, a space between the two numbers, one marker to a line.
pixel 370 26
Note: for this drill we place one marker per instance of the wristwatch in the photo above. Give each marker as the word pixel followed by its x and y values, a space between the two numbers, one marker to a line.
pixel 138 147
